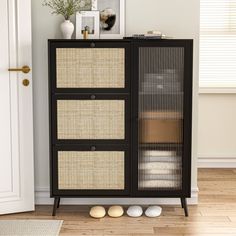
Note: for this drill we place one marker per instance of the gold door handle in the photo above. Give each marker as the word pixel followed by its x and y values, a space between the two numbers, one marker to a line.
pixel 24 69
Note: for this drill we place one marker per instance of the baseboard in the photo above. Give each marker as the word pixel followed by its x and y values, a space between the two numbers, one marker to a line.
pixel 219 162
pixel 42 197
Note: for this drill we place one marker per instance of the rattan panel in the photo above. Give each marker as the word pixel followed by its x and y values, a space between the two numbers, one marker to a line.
pixel 91 170
pixel 86 119
pixel 90 68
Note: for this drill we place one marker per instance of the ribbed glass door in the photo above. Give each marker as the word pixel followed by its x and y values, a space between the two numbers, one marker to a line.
pixel 161 77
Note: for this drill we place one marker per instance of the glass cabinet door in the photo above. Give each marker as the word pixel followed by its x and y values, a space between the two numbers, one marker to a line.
pixel 161 77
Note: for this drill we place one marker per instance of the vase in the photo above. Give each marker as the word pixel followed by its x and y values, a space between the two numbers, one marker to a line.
pixel 67 29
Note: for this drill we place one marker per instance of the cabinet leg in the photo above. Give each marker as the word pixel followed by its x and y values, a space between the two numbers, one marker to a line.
pixel 56 205
pixel 184 205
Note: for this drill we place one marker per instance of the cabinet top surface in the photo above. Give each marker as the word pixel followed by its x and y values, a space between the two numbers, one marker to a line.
pixel 116 40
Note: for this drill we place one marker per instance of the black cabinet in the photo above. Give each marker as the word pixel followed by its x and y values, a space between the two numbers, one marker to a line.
pixel 120 118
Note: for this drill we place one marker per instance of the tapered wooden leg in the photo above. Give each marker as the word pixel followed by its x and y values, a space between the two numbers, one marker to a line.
pixel 56 204
pixel 184 206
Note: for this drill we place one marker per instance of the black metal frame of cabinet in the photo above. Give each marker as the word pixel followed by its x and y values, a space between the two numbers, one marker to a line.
pixel 130 94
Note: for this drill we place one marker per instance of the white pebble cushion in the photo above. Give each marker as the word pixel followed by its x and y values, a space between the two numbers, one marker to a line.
pixel 153 211
pixel 115 211
pixel 134 211
pixel 97 212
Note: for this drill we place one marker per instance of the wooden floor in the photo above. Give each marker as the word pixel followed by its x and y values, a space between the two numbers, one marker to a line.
pixel 215 214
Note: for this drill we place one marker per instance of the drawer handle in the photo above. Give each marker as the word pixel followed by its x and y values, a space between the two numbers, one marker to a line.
pixel 93 97
pixel 92 45
pixel 93 148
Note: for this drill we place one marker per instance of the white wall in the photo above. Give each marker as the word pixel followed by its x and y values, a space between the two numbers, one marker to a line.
pixel 217 130
pixel 178 18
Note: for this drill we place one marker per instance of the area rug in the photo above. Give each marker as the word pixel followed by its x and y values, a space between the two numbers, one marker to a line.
pixel 30 227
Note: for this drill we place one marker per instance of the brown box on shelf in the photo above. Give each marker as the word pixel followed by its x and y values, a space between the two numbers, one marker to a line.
pixel 160 127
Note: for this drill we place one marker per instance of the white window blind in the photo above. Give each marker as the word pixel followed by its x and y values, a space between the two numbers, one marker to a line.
pixel 218 43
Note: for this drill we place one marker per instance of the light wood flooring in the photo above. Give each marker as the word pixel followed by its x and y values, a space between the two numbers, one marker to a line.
pixel 215 214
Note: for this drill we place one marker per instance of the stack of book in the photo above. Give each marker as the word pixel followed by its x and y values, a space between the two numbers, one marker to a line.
pixel 154 34
pixel 149 35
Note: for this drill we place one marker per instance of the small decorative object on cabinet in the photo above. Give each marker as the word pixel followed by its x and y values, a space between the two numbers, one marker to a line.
pixel 67 29
pixel 87 21
pixel 120 118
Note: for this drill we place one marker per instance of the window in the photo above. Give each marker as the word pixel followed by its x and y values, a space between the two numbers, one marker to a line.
pixel 218 43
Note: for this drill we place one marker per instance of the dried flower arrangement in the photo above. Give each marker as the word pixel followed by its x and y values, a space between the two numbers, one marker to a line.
pixel 66 8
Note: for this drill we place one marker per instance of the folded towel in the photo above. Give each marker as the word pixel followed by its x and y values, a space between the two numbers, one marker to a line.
pixel 159 153
pixel 160 171
pixel 160 158
pixel 160 165
pixel 173 177
pixel 159 184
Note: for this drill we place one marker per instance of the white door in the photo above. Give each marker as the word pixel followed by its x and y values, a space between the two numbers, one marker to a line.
pixel 16 119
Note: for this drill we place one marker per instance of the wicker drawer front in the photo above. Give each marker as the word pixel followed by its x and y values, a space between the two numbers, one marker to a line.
pixel 90 68
pixel 85 119
pixel 85 170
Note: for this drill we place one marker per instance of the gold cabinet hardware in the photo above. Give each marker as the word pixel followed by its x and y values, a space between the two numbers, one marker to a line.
pixel 24 69
pixel 25 82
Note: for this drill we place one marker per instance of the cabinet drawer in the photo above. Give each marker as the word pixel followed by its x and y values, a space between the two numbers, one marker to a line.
pixel 91 168
pixel 90 68
pixel 102 66
pixel 91 117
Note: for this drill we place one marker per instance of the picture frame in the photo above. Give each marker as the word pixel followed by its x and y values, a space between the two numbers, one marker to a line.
pixel 112 18
pixel 88 19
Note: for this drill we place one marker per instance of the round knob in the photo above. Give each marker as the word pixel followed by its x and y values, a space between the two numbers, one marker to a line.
pixel 25 82
pixel 93 148
pixel 93 97
pixel 92 45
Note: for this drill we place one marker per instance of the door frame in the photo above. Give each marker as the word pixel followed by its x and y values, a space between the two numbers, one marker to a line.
pixel 22 156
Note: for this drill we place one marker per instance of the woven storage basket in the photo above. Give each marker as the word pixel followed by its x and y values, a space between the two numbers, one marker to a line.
pixel 91 170
pixel 90 68
pixel 85 119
